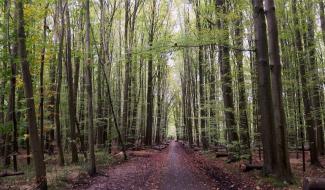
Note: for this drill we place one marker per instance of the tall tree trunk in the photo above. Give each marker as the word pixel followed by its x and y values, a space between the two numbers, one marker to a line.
pixel 159 103
pixel 125 108
pixel 213 93
pixel 243 118
pixel 283 168
pixel 315 87
pixel 201 65
pixel 71 97
pixel 187 97
pixel 322 20
pixel 100 121
pixel 75 90
pixel 322 17
pixel 150 104
pixel 38 157
pixel 195 105
pixel 58 87
pixel 226 79
pixel 3 82
pixel 264 89
pixel 50 138
pixel 12 96
pixel 306 100
pixel 41 104
pixel 92 159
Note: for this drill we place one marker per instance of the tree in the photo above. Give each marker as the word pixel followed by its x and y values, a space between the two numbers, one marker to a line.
pixel 283 166
pixel 306 100
pixel 92 159
pixel 58 85
pixel 71 97
pixel 264 89
pixel 243 118
pixel 315 87
pixel 226 79
pixel 201 64
pixel 41 104
pixel 150 105
pixel 12 96
pixel 125 108
pixel 40 170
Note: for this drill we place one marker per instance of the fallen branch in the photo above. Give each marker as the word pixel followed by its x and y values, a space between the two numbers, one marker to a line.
pixel 142 154
pixel 221 154
pixel 159 147
pixel 313 183
pixel 250 167
pixel 196 149
pixel 6 174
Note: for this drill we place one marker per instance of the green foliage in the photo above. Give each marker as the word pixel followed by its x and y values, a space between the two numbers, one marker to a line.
pixel 6 128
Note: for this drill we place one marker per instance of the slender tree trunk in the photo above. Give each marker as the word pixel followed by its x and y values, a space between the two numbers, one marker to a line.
pixel 195 106
pixel 150 104
pixel 306 100
pixel 315 87
pixel 41 104
pixel 322 17
pixel 225 72
pixel 51 135
pixel 187 97
pixel 71 97
pixel 38 157
pixel 12 96
pixel 243 118
pixel 201 65
pixel 75 92
pixel 159 104
pixel 125 108
pixel 92 159
pixel 3 82
pixel 58 87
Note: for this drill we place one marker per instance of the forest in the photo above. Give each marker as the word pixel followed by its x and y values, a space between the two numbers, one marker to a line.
pixel 162 94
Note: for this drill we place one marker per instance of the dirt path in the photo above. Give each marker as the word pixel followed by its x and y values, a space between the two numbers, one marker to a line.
pixel 171 169
pixel 181 174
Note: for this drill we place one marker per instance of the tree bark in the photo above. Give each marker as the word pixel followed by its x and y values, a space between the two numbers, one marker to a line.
pixel 283 168
pixel 58 86
pixel 41 104
pixel 38 157
pixel 150 105
pixel 92 159
pixel 226 79
pixel 159 104
pixel 315 90
pixel 322 17
pixel 243 120
pixel 71 97
pixel 306 100
pixel 201 66
pixel 264 89
pixel 12 96
pixel 125 103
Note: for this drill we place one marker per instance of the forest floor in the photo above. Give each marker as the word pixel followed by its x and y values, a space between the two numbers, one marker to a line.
pixel 174 168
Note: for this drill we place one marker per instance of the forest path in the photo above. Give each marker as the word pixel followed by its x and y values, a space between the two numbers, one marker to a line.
pixel 181 174
pixel 170 169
